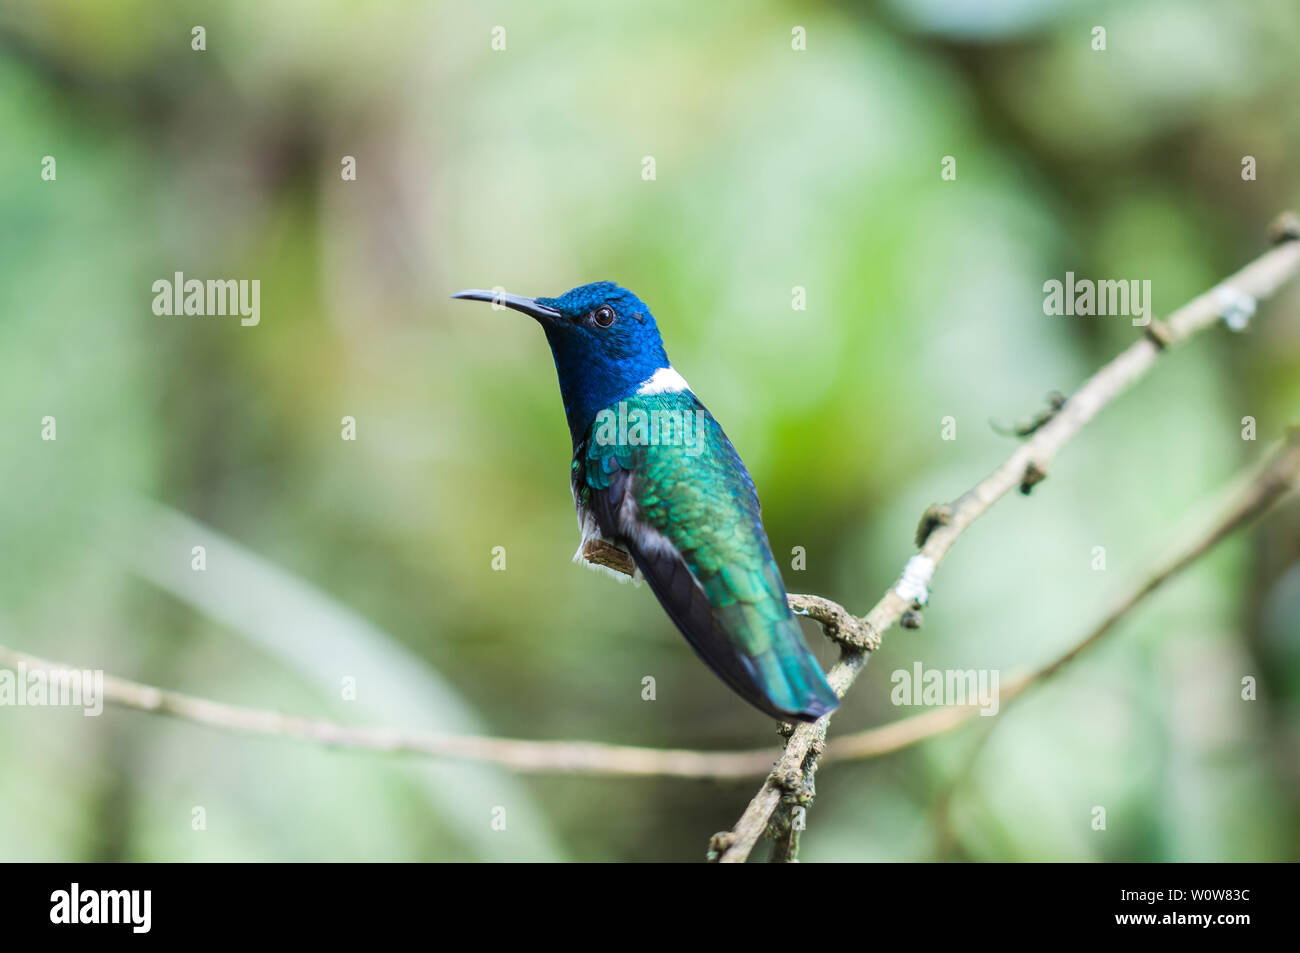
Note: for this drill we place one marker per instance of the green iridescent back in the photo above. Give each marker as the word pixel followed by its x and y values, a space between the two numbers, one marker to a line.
pixel 691 487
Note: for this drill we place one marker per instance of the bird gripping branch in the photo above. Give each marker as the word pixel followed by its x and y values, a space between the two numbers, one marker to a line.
pixel 655 477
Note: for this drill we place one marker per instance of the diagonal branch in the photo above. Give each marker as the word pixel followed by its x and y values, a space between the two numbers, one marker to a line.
pixel 1279 476
pixel 1025 467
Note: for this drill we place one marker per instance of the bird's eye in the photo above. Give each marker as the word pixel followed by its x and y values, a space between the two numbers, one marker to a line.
pixel 603 316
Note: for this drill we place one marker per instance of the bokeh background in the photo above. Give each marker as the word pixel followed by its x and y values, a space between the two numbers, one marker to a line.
pixel 775 168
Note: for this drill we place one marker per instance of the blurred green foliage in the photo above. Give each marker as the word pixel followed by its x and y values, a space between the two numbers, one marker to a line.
pixel 775 168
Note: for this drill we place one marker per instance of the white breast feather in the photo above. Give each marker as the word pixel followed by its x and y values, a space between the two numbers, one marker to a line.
pixel 663 381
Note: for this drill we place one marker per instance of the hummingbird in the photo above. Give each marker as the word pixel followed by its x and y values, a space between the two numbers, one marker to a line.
pixel 658 486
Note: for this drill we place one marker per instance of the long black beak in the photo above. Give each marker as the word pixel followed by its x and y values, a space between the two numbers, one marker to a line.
pixel 517 302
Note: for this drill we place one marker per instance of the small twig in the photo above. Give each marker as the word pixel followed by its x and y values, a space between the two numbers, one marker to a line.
pixel 935 515
pixel 1055 401
pixel 839 624
pixel 600 553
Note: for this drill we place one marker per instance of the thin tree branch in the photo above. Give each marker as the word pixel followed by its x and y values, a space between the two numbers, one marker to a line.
pixel 1245 501
pixel 571 757
pixel 1027 466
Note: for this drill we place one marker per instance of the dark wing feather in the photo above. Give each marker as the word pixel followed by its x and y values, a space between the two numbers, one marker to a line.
pixel 723 592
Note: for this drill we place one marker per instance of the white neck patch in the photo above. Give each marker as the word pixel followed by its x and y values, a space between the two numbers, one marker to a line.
pixel 663 381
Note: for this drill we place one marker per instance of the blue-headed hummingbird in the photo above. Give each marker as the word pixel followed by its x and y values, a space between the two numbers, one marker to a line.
pixel 657 483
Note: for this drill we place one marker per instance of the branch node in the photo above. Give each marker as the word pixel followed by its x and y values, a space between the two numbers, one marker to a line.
pixel 838 624
pixel 1284 228
pixel 1034 475
pixel 1055 401
pixel 935 515
pixel 788 779
pixel 1158 333
pixel 719 844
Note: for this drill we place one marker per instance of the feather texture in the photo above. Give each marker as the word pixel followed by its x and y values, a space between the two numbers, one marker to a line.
pixel 684 506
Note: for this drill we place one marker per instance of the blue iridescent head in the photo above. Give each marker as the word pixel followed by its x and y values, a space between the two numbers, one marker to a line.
pixel 604 340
